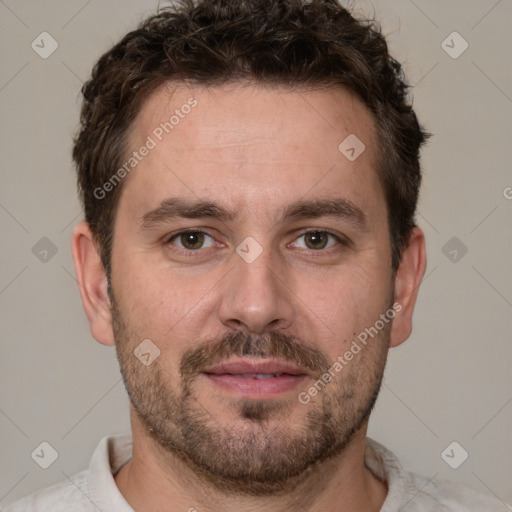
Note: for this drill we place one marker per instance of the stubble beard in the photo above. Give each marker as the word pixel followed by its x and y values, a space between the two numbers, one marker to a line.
pixel 259 453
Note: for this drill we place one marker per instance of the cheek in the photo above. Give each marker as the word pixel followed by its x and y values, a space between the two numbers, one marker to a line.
pixel 342 306
pixel 163 305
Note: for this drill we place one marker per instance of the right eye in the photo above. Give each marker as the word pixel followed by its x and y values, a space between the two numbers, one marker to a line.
pixel 191 240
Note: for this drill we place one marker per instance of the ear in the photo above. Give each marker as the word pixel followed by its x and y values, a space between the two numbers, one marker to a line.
pixel 407 282
pixel 92 282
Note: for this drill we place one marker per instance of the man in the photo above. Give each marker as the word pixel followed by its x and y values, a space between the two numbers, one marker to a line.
pixel 249 172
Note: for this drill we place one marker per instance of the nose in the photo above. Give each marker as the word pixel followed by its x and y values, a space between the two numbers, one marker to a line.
pixel 256 296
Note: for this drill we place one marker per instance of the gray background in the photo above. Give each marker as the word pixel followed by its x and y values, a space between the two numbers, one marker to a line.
pixel 451 381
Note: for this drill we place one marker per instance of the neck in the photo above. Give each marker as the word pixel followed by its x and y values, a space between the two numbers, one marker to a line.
pixel 152 479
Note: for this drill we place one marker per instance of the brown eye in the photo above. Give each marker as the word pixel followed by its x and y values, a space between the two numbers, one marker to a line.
pixel 191 240
pixel 316 239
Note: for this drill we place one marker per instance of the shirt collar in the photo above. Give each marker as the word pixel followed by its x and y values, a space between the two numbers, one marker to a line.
pixel 113 452
pixel 108 458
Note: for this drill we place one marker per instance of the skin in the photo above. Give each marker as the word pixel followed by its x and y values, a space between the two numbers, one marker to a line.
pixel 255 150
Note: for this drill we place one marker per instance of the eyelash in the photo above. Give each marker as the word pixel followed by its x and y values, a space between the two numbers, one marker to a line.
pixel 191 252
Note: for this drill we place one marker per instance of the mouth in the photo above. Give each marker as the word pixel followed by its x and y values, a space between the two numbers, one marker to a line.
pixel 251 378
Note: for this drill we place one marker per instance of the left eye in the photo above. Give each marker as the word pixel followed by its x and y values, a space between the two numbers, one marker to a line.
pixel 317 240
pixel 192 240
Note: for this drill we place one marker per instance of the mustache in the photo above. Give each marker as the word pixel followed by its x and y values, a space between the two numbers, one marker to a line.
pixel 272 344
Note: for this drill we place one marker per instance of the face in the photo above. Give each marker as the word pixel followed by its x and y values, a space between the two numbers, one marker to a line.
pixel 252 253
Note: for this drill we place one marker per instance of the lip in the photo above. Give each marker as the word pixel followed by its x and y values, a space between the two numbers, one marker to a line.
pixel 248 366
pixel 238 377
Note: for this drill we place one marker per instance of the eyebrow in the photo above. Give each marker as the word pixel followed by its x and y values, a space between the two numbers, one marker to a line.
pixel 173 208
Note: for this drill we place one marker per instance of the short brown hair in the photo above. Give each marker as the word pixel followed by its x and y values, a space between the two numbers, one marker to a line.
pixel 281 42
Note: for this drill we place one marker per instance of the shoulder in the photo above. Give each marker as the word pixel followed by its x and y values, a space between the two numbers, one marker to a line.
pixel 410 492
pixel 425 495
pixel 63 496
pixel 90 490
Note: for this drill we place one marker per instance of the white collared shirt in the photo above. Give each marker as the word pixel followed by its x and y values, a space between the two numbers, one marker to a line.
pixel 95 490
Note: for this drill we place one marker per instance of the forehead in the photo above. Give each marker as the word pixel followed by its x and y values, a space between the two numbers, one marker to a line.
pixel 249 142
